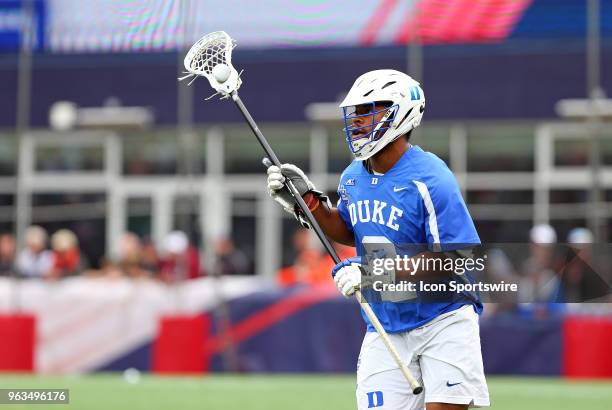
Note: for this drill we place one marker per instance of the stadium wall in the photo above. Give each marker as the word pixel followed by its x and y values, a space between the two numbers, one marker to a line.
pixel 491 82
pixel 18 342
pixel 151 327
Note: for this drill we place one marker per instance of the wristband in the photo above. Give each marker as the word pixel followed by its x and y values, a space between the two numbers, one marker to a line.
pixel 316 205
pixel 312 201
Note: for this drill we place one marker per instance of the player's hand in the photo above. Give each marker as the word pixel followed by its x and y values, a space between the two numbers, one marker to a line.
pixel 347 276
pixel 279 192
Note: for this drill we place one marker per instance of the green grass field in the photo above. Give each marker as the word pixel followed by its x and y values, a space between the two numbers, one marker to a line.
pixel 111 391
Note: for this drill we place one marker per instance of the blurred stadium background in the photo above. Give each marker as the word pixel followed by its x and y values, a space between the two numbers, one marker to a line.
pixel 136 233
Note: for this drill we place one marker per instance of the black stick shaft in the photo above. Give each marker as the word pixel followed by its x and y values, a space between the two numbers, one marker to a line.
pixel 270 153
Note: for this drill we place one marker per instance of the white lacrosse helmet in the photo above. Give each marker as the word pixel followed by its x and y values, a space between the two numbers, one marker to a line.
pixel 404 105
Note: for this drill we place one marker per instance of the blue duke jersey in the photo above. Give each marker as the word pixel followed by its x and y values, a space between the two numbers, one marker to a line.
pixel 417 201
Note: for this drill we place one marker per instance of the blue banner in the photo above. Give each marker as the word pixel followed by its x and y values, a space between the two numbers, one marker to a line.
pixel 13 18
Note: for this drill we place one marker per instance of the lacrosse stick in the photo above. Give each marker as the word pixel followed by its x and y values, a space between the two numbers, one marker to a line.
pixel 211 57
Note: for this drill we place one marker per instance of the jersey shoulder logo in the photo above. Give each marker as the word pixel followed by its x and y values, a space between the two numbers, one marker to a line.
pixel 350 182
pixel 343 196
pixel 397 189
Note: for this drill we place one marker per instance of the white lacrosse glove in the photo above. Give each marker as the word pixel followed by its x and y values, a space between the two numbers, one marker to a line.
pixel 279 192
pixel 276 184
pixel 349 276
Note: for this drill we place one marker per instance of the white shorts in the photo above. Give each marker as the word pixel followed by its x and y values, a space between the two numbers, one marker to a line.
pixel 444 355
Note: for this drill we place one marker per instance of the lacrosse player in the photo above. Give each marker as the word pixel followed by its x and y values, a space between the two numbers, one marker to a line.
pixel 396 193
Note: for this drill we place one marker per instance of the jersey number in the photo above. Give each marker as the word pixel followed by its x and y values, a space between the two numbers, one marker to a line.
pixel 378 249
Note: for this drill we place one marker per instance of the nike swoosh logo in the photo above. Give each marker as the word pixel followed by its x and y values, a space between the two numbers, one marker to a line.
pixel 396 189
pixel 452 384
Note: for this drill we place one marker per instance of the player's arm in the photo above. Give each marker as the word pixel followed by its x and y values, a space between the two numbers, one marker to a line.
pixel 327 216
pixel 331 222
pixel 432 265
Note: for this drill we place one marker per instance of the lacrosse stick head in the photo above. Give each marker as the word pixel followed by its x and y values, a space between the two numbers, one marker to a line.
pixel 211 57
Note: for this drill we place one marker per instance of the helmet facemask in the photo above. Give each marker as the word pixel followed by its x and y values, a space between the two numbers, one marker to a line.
pixel 357 140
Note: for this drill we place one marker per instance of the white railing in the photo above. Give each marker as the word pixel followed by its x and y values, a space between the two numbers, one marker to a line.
pixel 215 188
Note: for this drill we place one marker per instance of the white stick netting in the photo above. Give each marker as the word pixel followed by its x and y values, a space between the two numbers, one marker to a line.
pixel 211 50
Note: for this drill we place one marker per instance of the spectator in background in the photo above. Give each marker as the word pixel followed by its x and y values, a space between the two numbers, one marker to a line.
pixel 321 275
pixel 149 257
pixel 307 260
pixel 229 260
pixel 581 237
pixel 311 267
pixel 583 277
pixel 35 260
pixel 108 269
pixel 67 258
pixel 499 268
pixel 130 257
pixel 540 282
pixel 7 254
pixel 128 263
pixel 180 261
